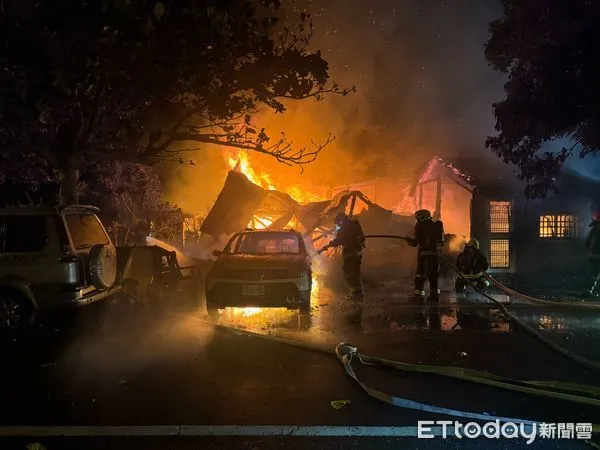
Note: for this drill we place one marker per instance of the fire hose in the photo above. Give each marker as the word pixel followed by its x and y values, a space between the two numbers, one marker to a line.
pixel 502 287
pixel 509 291
pixel 585 362
pixel 346 354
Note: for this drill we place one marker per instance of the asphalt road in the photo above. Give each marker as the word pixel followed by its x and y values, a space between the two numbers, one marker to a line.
pixel 112 365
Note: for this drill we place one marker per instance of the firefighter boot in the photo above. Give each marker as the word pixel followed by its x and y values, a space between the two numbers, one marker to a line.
pixel 434 297
pixel 593 288
pixel 483 284
pixel 418 297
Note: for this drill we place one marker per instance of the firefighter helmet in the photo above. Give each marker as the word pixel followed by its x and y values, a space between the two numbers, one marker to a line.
pixel 340 219
pixel 596 216
pixel 422 215
pixel 473 243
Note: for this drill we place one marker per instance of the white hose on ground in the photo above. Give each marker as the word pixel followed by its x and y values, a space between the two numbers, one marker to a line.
pixel 585 362
pixel 509 291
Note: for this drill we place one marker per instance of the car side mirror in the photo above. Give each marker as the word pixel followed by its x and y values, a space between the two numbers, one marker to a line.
pixel 217 253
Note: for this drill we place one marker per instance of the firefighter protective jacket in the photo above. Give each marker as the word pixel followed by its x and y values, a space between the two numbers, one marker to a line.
pixel 351 237
pixel 592 243
pixel 471 261
pixel 429 235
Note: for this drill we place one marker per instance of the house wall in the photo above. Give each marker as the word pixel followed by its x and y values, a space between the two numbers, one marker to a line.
pixel 456 208
pixel 454 205
pixel 530 253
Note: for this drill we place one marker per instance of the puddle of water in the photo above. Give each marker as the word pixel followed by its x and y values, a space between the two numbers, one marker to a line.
pixel 387 309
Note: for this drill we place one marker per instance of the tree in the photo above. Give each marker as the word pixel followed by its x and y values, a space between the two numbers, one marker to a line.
pixel 142 81
pixel 550 51
pixel 130 198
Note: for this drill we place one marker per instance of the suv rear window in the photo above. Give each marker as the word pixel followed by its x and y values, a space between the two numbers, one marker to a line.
pixel 23 234
pixel 85 230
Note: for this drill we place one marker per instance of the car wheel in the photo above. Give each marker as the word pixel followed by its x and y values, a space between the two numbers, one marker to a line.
pixel 16 313
pixel 211 309
pixel 305 301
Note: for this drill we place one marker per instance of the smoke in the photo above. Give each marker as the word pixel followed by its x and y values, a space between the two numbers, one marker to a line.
pixel 424 89
pixel 121 343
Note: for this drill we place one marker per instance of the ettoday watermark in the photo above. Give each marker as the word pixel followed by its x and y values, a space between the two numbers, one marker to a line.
pixel 504 430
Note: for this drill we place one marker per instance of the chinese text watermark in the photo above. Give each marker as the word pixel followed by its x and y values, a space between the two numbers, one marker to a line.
pixel 504 430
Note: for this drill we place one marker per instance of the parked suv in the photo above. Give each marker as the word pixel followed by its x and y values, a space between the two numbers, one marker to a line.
pixel 52 258
pixel 260 268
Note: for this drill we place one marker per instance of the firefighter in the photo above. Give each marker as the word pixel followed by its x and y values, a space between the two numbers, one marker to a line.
pixel 429 239
pixel 592 245
pixel 352 239
pixel 472 265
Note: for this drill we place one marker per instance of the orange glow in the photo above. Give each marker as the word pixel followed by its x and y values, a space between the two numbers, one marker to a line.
pixel 558 227
pixel 499 253
pixel 456 244
pixel 245 312
pixel 260 223
pixel 302 196
pixel 238 160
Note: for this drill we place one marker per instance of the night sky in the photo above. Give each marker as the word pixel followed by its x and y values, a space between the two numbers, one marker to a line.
pixel 424 89
pixel 420 70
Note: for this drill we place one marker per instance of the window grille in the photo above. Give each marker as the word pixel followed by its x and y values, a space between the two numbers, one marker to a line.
pixel 500 217
pixel 562 227
pixel 499 253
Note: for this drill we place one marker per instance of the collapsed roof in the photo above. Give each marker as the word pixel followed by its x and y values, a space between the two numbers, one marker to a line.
pixel 241 202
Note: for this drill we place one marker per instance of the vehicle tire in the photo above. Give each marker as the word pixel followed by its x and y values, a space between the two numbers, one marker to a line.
pixel 211 309
pixel 305 301
pixel 304 320
pixel 16 312
pixel 103 266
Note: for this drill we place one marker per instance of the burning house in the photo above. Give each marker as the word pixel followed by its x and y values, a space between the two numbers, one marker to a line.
pixel 243 204
pixel 516 235
pixel 439 187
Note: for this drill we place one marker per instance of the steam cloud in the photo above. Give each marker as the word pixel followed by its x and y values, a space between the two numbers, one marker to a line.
pixel 424 88
pixel 123 345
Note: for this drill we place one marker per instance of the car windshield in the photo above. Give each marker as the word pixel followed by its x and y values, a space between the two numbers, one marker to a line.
pixel 265 244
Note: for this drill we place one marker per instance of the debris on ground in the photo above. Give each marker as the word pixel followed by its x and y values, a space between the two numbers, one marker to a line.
pixel 339 404
pixel 35 446
pixel 463 354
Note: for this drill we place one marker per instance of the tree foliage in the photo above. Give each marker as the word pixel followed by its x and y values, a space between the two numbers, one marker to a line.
pixel 550 51
pixel 144 81
pixel 130 198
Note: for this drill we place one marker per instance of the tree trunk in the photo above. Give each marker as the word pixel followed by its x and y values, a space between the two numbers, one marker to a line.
pixel 69 180
pixel 126 238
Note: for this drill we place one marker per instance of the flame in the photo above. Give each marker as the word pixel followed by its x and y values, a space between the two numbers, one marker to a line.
pixel 302 196
pixel 261 223
pixel 239 161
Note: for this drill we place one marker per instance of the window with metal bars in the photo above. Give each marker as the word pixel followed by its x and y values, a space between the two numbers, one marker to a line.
pixel 562 227
pixel 500 217
pixel 499 253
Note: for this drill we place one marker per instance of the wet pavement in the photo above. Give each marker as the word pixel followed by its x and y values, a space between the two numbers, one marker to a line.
pixel 459 331
pixel 126 365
